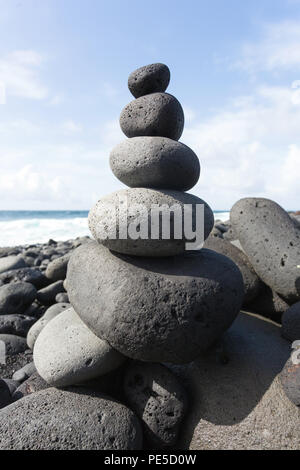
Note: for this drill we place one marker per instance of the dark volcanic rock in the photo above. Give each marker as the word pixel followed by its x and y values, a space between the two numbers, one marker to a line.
pixel 57 269
pixel 271 241
pixel 290 380
pixel 16 297
pixel 5 395
pixel 33 384
pixel 156 396
pixel 11 262
pixel 68 419
pixel 252 283
pixel 16 324
pixel 149 79
pixel 155 162
pixel 155 309
pixel 158 114
pixel 291 323
pixel 104 221
pixel 268 304
pixel 13 344
pixel 47 295
pixel 32 275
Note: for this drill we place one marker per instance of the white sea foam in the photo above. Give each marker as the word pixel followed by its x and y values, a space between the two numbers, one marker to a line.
pixel 39 230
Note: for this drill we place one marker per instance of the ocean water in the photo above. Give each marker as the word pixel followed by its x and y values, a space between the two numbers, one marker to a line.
pixel 26 227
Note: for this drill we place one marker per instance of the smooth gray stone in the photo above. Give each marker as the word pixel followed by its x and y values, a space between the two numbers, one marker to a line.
pixel 291 323
pixel 13 344
pixel 57 269
pixel 149 79
pixel 50 313
pixel 46 296
pixel 33 384
pixel 18 325
pixel 272 243
pixel 62 297
pixel 24 373
pixel 11 262
pixel 155 309
pixel 32 275
pixel 76 419
pixel 104 221
pixel 268 304
pixel 252 283
pixel 155 162
pixel 5 395
pixel 16 297
pixel 158 114
pixel 66 352
pixel 158 399
pixel 290 380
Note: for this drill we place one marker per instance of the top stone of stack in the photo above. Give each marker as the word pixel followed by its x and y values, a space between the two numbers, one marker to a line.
pixel 151 78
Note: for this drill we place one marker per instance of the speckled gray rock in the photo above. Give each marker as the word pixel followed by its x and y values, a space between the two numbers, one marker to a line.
pixel 57 269
pixel 16 297
pixel 155 309
pixel 158 114
pixel 291 323
pixel 66 352
pixel 156 396
pixel 13 344
pixel 68 419
pixel 151 78
pixel 24 373
pixel 11 262
pixel 252 283
pixel 50 313
pixel 155 162
pixel 272 243
pixel 16 324
pixel 32 275
pixel 104 220
pixel 47 295
pixel 290 380
pixel 240 405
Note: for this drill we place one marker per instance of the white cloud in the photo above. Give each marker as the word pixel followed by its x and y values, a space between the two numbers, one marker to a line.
pixel 18 73
pixel 278 49
pixel 71 127
pixel 250 148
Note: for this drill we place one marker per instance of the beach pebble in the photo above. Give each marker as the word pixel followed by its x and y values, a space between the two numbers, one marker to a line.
pixel 272 243
pixel 57 269
pixel 66 352
pixel 13 344
pixel 11 262
pixel 62 297
pixel 104 220
pixel 24 373
pixel 68 419
pixel 158 399
pixel 12 385
pixel 16 297
pixel 18 325
pixel 290 379
pixel 158 114
pixel 50 313
pixel 32 384
pixel 32 275
pixel 291 323
pixel 252 283
pixel 180 307
pixel 155 162
pixel 46 296
pixel 149 79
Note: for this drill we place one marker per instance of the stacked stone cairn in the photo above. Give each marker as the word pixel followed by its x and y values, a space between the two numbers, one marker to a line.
pixel 139 301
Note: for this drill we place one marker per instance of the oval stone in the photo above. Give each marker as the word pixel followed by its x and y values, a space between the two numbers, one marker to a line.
pixel 155 162
pixel 125 222
pixel 149 79
pixel 271 241
pixel 37 327
pixel 66 352
pixel 76 418
pixel 155 309
pixel 158 114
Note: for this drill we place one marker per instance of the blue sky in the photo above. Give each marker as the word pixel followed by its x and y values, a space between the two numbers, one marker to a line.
pixel 64 64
